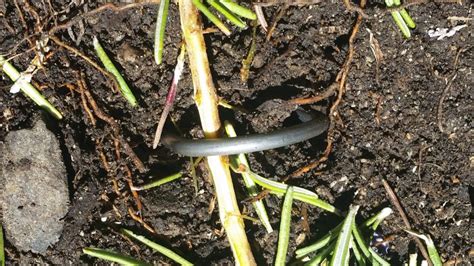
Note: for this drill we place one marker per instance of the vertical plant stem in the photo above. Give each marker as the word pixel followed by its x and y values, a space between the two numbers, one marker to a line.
pixel 207 101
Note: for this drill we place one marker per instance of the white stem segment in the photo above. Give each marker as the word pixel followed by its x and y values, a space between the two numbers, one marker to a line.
pixel 207 102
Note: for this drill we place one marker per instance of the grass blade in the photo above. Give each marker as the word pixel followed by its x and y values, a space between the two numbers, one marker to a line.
pixel 160 30
pixel 104 58
pixel 112 256
pixel 158 182
pixel 277 188
pixel 249 183
pixel 239 10
pixel 226 13
pixel 320 257
pixel 211 17
pixel 321 243
pixel 28 89
pixel 284 233
pixel 165 251
pixel 433 253
pixel 2 246
pixel 342 251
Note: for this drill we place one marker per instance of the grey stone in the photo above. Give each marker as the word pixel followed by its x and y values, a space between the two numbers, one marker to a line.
pixel 33 188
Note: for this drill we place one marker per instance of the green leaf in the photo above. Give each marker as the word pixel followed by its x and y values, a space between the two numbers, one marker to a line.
pixel 112 256
pixel 284 233
pixel 161 249
pixel 104 58
pixel 2 246
pixel 159 182
pixel 341 251
pixel 160 30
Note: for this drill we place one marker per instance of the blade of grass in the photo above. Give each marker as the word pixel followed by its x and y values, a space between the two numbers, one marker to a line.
pixel 112 256
pixel 321 243
pixel 432 251
pixel 215 20
pixel 161 249
pixel 360 259
pixel 28 89
pixel 406 17
pixel 239 10
pixel 250 184
pixel 224 11
pixel 368 252
pixel 104 58
pixel 158 182
pixel 206 100
pixel 178 71
pixel 341 251
pixel 160 30
pixel 2 246
pixel 277 188
pixel 322 255
pixel 284 233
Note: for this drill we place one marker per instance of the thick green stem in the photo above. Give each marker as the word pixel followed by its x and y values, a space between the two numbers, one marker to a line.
pixel 207 101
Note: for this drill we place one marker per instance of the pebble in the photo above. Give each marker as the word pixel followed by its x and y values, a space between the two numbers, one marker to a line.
pixel 34 195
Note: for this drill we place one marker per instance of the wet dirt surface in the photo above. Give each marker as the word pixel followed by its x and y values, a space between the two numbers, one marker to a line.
pixel 388 127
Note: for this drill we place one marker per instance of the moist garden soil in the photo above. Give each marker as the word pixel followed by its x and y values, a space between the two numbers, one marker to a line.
pixel 388 126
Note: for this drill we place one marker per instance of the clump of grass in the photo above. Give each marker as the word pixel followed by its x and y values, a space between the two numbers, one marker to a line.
pixel 335 246
pixel 22 82
pixel 104 58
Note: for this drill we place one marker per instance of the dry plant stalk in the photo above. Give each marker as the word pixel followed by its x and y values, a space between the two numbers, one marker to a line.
pixel 207 101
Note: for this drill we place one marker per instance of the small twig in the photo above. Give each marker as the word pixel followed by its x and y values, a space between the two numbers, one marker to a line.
pixel 394 200
pixel 378 110
pixel 132 214
pixel 277 18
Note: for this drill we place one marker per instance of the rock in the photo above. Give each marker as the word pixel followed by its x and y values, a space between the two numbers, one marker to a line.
pixel 34 193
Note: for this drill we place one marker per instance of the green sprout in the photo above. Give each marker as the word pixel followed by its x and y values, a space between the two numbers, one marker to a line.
pixel 158 182
pixel 22 81
pixel 284 233
pixel 159 248
pixel 401 18
pixel 126 260
pixel 104 58
pixel 335 246
pixel 112 256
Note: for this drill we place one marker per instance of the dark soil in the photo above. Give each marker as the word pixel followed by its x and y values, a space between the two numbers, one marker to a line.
pixel 387 127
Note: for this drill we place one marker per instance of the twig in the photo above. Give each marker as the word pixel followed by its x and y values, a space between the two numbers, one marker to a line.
pixel 394 200
pixel 314 99
pixel 277 18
